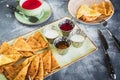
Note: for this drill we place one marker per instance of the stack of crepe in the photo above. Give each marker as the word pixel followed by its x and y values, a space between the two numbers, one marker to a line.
pixel 94 11
pixel 36 66
pixel 21 47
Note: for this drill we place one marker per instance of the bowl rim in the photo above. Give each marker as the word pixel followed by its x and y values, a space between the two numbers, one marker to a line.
pixel 81 21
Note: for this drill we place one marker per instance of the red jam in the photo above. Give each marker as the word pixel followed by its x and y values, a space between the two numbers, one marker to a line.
pixel 66 27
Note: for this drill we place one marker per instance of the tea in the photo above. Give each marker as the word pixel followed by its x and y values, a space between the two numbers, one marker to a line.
pixel 66 27
pixel 62 45
pixel 32 7
pixel 31 4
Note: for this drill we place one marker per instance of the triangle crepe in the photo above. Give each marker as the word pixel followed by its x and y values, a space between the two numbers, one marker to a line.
pixel 33 68
pixel 38 36
pixel 14 54
pixel 10 52
pixel 47 62
pixel 108 7
pixel 4 47
pixel 15 57
pixel 35 45
pixel 86 13
pixel 104 8
pixel 25 62
pixel 54 63
pixel 5 60
pixel 99 7
pixel 22 74
pixel 11 71
pixel 21 45
pixel 40 74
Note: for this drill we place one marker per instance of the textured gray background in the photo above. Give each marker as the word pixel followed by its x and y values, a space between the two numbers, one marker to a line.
pixel 89 68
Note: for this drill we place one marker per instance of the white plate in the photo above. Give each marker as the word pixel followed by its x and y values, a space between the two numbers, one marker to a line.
pixel 73 6
pixel 47 13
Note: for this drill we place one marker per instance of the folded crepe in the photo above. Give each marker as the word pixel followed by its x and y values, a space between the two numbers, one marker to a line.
pixel 99 7
pixel 34 44
pixel 86 11
pixel 38 36
pixel 40 74
pixel 109 9
pixel 8 51
pixel 21 45
pixel 47 62
pixel 87 14
pixel 5 60
pixel 22 73
pixel 33 68
pixel 11 71
pixel 4 47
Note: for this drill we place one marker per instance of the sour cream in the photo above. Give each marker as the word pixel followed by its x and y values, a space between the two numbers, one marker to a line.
pixel 51 34
pixel 77 38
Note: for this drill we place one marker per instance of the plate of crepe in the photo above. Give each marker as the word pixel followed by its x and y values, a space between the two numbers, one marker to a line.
pixel 91 11
pixel 32 56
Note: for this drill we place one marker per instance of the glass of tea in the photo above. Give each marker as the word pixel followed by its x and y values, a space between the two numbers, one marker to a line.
pixel 31 7
pixel 62 44
pixel 77 38
pixel 66 26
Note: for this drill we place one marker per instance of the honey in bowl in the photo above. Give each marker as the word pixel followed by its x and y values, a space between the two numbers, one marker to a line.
pixel 62 44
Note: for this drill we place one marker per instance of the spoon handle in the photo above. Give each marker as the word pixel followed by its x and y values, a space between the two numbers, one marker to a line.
pixel 13 8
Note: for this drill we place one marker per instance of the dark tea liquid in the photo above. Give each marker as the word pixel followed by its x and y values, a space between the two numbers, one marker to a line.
pixel 62 45
pixel 31 4
pixel 66 27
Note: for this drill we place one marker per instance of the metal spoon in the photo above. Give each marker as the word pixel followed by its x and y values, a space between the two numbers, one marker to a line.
pixel 32 19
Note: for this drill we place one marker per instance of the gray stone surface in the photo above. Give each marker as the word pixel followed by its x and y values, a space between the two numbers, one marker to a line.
pixel 91 67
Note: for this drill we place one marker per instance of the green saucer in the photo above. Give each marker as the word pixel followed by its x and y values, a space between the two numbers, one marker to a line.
pixel 47 13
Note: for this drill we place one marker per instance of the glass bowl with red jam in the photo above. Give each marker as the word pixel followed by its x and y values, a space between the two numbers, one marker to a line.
pixel 66 26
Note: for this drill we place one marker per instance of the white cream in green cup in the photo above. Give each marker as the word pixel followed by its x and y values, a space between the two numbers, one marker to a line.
pixel 32 7
pixel 77 38
pixel 50 32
